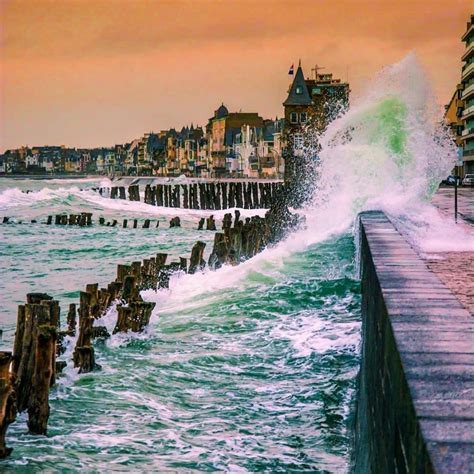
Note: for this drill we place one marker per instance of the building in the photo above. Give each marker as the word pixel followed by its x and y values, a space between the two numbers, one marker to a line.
pixel 311 104
pixel 467 80
pixel 221 132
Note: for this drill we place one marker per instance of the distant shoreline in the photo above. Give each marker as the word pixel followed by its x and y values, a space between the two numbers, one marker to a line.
pixel 50 176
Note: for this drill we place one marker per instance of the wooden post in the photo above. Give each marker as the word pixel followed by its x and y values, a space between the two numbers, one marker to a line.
pixel 7 401
pixel 210 223
pixel 201 223
pixel 146 224
pixel 185 196
pixel 135 223
pixel 125 222
pixel 225 203
pixel 197 261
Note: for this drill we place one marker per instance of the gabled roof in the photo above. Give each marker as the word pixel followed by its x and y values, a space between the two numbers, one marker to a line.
pixel 299 84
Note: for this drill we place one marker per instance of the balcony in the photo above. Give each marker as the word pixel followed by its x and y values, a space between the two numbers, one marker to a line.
pixel 468 132
pixel 467 71
pixel 468 53
pixel 468 32
pixel 468 92
pixel 469 112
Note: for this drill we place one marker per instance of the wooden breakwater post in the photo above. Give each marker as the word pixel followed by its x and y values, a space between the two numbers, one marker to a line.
pixel 7 401
pixel 34 358
pixel 206 196
pixel 175 222
pixel 197 261
pixel 83 356
pixel 134 192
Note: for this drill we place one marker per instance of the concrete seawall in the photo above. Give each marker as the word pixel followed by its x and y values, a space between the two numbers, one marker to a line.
pixel 415 406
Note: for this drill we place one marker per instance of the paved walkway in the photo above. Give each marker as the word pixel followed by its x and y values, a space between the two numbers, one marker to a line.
pixel 456 269
pixel 444 199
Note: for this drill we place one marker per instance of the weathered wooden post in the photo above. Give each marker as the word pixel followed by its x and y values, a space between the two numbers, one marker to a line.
pixel 185 196
pixel 135 223
pixel 101 220
pixel 122 194
pixel 146 224
pixel 159 195
pixel 197 261
pixel 43 374
pixel 125 222
pixel 113 192
pixel 176 196
pixel 225 203
pixel 7 401
pixel 50 220
pixel 195 196
pixel 231 195
pixel 210 223
pixel 202 196
pixel 83 356
pixel 166 195
pixel 220 251
pixel 175 222
pixel 201 223
pixel 238 195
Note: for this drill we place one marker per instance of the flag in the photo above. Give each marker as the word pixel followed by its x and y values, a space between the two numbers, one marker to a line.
pixel 292 70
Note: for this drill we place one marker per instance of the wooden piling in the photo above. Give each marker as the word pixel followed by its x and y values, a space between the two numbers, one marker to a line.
pixel 7 401
pixel 197 261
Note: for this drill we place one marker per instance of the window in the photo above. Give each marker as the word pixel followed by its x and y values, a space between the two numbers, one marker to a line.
pixel 303 117
pixel 316 90
pixel 299 90
pixel 298 141
pixel 294 117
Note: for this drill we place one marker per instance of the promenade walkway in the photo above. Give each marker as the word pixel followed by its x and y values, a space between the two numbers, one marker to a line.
pixel 456 269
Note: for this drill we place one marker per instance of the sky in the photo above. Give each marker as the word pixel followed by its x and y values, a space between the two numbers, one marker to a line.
pixel 87 73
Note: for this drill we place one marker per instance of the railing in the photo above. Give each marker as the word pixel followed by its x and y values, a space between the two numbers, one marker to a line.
pixel 467 131
pixel 467 68
pixel 468 111
pixel 468 90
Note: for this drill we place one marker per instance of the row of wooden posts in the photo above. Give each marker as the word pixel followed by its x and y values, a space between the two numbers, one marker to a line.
pixel 27 375
pixel 212 196
pixel 85 219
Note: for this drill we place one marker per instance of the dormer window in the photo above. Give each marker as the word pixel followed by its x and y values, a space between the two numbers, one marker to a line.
pixel 299 90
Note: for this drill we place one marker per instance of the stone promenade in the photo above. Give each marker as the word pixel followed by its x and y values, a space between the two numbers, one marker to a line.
pixel 456 269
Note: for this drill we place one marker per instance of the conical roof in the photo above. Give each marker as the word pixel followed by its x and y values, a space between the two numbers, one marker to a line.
pixel 221 112
pixel 299 94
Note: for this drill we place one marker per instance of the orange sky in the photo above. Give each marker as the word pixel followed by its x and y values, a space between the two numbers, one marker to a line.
pixel 99 72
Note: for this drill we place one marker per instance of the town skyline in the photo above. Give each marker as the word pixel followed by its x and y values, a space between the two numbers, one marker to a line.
pixel 83 83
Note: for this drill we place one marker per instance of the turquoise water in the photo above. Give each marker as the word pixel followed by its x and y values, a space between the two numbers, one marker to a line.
pixel 249 369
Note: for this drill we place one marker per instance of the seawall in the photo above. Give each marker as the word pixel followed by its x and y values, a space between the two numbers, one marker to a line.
pixel 415 404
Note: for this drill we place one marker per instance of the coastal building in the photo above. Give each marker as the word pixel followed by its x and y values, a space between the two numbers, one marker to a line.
pixel 221 131
pixel 311 104
pixel 467 80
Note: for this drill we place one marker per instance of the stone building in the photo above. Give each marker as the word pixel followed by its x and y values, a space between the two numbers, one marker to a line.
pixel 312 103
pixel 221 131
